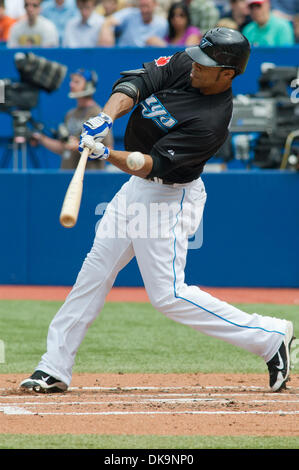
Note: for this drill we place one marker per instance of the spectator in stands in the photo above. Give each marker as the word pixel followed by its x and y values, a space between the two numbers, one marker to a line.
pixel 6 23
pixel 133 26
pixel 82 88
pixel 223 6
pixel 59 12
pixel 267 29
pixel 285 8
pixel 162 7
pixel 34 29
pixel 239 12
pixel 227 23
pixel 83 30
pixel 108 7
pixel 180 30
pixel 15 8
pixel 204 14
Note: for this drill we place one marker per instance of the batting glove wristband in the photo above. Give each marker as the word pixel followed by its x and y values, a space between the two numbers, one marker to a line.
pixel 98 150
pixel 98 127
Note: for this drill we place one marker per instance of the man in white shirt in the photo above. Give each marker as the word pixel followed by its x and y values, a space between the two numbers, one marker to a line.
pixel 84 29
pixel 133 26
pixel 34 29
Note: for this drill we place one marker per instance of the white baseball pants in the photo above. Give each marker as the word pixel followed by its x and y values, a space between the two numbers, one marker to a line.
pixel 152 222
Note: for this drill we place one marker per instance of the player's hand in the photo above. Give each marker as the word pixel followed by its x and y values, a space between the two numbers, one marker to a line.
pixel 98 127
pixel 98 150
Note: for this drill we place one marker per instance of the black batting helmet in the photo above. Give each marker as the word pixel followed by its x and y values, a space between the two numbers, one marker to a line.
pixel 222 47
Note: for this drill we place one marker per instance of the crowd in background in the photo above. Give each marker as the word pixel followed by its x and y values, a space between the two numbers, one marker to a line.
pixel 131 23
pixel 143 23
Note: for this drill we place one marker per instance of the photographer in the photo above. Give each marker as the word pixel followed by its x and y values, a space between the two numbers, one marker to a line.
pixel 82 88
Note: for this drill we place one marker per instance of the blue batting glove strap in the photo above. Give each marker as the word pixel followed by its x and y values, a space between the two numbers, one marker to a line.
pixel 99 126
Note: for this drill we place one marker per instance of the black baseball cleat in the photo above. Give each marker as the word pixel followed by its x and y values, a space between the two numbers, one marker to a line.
pixel 41 382
pixel 279 365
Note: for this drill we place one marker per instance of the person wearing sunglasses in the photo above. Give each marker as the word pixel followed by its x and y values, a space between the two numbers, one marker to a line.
pixel 33 30
pixel 267 29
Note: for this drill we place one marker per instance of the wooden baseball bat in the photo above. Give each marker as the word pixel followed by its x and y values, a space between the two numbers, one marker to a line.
pixel 71 204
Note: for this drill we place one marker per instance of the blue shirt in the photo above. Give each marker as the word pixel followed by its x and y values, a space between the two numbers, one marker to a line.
pixel 79 34
pixel 290 7
pixel 132 31
pixel 59 15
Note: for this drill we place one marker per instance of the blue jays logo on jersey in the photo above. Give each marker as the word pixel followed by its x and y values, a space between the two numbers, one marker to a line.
pixel 152 108
pixel 162 61
pixel 205 43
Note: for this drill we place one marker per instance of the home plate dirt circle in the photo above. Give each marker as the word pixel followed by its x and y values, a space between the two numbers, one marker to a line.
pixel 157 404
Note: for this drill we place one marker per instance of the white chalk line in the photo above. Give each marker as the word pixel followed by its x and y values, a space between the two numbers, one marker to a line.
pixel 164 395
pixel 14 410
pixel 185 387
pixel 11 410
pixel 188 412
pixel 199 397
pixel 144 402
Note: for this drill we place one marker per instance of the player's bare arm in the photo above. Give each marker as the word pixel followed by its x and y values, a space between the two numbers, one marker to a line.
pixel 118 105
pixel 120 159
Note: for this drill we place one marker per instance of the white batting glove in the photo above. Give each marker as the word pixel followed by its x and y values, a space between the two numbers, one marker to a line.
pixel 98 127
pixel 98 150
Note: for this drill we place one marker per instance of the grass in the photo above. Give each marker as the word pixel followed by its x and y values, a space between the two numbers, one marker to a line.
pixel 91 441
pixel 127 338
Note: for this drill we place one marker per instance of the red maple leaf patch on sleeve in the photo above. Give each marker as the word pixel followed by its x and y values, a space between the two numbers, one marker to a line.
pixel 162 60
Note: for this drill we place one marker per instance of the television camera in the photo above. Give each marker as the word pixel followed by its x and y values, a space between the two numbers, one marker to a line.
pixel 36 73
pixel 270 119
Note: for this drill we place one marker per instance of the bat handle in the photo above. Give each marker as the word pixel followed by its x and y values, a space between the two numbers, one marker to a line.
pixel 83 159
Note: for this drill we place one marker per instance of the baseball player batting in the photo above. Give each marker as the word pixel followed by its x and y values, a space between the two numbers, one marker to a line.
pixel 182 106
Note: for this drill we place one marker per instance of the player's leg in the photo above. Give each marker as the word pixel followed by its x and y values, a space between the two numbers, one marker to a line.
pixel 110 252
pixel 162 263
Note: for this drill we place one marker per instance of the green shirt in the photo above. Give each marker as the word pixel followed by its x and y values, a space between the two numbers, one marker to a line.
pixel 276 32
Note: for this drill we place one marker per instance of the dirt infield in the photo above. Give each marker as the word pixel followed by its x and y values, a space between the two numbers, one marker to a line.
pixel 128 294
pixel 172 404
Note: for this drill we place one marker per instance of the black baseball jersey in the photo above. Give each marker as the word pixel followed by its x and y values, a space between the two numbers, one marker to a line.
pixel 177 125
